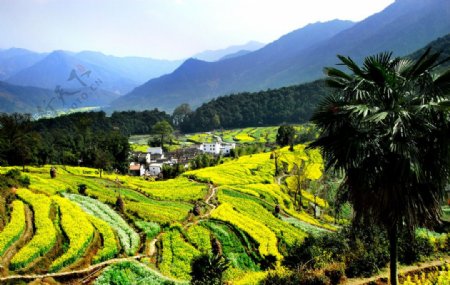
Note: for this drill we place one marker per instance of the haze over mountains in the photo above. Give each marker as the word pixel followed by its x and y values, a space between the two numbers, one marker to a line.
pixel 298 57
pixel 119 74
pixel 28 79
pixel 33 79
pixel 229 52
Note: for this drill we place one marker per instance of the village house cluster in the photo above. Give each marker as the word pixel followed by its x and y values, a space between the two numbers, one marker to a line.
pixel 150 163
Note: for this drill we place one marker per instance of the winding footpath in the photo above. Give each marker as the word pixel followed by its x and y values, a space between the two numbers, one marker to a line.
pixel 74 273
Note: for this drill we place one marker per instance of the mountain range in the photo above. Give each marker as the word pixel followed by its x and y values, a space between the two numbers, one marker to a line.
pixel 229 52
pixel 29 79
pixel 46 70
pixel 297 57
pixel 402 27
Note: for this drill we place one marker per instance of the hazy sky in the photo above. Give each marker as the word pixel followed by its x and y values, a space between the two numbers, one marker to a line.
pixel 169 29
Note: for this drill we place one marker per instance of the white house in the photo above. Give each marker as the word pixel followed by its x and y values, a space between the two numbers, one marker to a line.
pixel 213 148
pixel 217 148
pixel 136 169
pixel 155 169
pixel 227 147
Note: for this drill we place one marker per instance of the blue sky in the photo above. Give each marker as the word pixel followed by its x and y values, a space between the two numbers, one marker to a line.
pixel 165 29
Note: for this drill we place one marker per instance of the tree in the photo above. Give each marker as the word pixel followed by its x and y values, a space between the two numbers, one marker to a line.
pixel 18 144
pixel 299 182
pixel 164 129
pixel 120 204
pixel 180 113
pixel 103 160
pixel 208 269
pixel 215 121
pixel 285 135
pixel 386 128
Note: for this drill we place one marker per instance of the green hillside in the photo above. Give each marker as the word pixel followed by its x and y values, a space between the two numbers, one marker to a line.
pixel 87 229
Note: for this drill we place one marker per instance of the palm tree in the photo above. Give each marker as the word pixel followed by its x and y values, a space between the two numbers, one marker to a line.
pixel 385 127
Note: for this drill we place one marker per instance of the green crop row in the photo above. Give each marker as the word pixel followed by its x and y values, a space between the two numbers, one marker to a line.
pixel 132 272
pixel 199 237
pixel 129 239
pixel 232 248
pixel 150 229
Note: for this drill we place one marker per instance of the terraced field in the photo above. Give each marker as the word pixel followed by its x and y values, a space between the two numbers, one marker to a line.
pixel 75 231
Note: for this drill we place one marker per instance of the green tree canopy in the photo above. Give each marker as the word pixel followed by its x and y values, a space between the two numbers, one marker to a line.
pixel 285 135
pixel 163 129
pixel 180 113
pixel 386 128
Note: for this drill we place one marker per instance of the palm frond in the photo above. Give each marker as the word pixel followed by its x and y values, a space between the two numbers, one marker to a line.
pixel 347 61
pixel 426 62
pixel 442 82
pixel 336 73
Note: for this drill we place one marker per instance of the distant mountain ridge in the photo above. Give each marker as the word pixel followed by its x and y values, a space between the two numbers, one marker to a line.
pixel 236 54
pixel 293 104
pixel 42 102
pixel 46 70
pixel 56 69
pixel 197 81
pixel 15 59
pixel 298 57
pixel 215 55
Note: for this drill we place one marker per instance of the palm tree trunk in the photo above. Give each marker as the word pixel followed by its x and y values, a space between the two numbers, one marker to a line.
pixel 393 250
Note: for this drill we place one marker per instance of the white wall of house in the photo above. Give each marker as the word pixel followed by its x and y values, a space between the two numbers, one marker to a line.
pixel 227 147
pixel 213 148
pixel 217 148
pixel 155 169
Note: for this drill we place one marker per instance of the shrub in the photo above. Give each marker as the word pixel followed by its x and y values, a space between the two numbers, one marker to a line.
pixel 335 272
pixel 289 277
pixel 120 205
pixel 208 270
pixel 82 189
pixel 412 248
pixel 314 277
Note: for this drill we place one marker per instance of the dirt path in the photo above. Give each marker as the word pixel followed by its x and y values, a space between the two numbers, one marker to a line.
pixel 74 273
pixel 403 270
pixel 278 178
pixel 213 191
pixel 152 246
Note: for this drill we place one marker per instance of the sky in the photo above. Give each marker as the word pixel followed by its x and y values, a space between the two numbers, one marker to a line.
pixel 163 29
